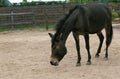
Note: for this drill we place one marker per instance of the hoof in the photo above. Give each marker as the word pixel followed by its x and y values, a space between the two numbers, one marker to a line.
pixel 88 63
pixel 96 56
pixel 78 64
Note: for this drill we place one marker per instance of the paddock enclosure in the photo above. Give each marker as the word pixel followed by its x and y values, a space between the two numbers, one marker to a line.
pixel 26 55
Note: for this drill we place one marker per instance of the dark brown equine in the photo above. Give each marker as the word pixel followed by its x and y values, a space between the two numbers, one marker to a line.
pixel 82 20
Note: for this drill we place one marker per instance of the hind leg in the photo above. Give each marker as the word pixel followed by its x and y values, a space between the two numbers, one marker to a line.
pixel 108 40
pixel 101 38
pixel 109 34
pixel 86 36
pixel 107 45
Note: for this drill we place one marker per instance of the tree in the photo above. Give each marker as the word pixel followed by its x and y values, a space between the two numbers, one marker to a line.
pixel 4 3
pixel 114 1
pixel 84 1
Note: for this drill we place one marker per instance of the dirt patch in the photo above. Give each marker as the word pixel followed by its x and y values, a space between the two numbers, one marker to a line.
pixel 26 55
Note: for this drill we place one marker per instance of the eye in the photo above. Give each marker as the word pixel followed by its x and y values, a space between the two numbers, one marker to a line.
pixel 53 47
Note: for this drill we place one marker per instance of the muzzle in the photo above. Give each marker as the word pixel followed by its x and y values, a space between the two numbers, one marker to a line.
pixel 54 61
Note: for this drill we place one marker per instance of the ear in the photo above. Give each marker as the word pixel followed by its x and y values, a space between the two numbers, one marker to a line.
pixel 51 35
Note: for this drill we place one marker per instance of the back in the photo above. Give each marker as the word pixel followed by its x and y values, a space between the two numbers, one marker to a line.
pixel 97 15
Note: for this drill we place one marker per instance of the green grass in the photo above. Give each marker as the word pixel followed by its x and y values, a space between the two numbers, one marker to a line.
pixel 39 27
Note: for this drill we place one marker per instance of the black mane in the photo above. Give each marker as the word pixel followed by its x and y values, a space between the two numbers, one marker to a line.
pixel 61 22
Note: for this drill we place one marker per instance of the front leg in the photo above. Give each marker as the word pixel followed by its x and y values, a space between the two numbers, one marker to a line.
pixel 86 36
pixel 76 37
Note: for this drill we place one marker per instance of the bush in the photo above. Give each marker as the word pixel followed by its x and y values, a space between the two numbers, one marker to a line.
pixel 34 3
pixel 3 4
pixel 115 14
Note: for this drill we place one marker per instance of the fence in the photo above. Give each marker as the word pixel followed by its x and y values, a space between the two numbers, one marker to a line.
pixel 12 19
pixel 32 15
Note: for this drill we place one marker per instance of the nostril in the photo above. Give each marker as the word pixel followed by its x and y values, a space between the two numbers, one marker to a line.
pixel 51 62
pixel 54 63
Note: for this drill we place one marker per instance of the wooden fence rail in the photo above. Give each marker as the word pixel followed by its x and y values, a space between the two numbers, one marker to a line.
pixel 32 15
pixel 12 21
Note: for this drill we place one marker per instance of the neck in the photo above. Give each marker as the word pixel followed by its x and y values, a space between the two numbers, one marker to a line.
pixel 67 28
pixel 65 34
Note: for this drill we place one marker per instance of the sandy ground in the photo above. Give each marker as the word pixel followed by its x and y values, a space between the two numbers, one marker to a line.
pixel 26 55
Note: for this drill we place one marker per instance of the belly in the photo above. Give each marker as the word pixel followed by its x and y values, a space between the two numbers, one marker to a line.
pixel 95 29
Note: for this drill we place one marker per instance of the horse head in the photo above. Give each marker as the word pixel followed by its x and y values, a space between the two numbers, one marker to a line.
pixel 58 50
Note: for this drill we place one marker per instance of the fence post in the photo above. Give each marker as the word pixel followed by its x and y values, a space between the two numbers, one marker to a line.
pixel 46 19
pixel 12 19
pixel 33 18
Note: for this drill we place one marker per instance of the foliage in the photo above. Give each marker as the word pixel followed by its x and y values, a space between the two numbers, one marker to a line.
pixel 33 3
pixel 93 1
pixel 114 1
pixel 2 4
pixel 115 14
